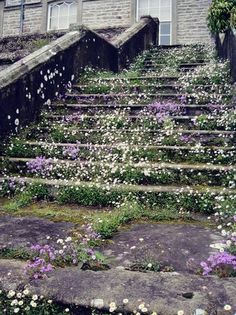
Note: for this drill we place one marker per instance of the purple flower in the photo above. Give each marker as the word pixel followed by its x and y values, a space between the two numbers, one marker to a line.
pixel 165 110
pixel 40 166
pixel 71 152
pixel 218 260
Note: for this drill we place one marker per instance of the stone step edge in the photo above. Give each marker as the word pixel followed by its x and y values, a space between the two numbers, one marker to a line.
pixel 177 131
pixel 134 78
pixel 68 105
pixel 141 77
pixel 163 165
pixel 96 95
pixel 123 187
pixel 120 146
pixel 174 86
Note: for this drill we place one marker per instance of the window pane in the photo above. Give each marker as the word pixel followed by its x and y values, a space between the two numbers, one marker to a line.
pixel 165 28
pixel 54 11
pixel 143 4
pixel 165 14
pixel 154 12
pixel 154 3
pixel 164 40
pixel 165 3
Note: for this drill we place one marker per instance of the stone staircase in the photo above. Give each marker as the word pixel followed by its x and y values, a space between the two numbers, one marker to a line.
pixel 132 134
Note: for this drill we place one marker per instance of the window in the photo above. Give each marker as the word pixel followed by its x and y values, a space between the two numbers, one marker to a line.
pixel 61 15
pixel 161 9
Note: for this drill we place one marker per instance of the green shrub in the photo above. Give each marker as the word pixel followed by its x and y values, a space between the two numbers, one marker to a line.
pixel 32 193
pixel 221 16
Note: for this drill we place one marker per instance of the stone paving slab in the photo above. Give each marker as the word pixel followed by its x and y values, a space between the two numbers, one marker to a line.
pixel 164 293
pixel 25 231
pixel 182 246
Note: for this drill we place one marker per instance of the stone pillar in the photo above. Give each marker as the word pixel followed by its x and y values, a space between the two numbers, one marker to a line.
pixel 79 11
pixel 1 16
pixel 44 23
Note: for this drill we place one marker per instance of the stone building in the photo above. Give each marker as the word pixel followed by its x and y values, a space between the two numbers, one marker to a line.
pixel 182 21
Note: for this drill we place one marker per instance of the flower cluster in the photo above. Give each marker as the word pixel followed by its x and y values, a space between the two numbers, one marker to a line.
pixel 40 166
pixel 223 263
pixel 68 251
pixel 23 302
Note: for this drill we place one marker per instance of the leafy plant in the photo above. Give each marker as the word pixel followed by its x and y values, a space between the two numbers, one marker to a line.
pixel 221 15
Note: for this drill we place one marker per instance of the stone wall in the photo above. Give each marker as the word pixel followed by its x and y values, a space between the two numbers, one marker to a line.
pixel 11 17
pixel 33 18
pixel 11 22
pixel 189 17
pixel 191 21
pixel 103 13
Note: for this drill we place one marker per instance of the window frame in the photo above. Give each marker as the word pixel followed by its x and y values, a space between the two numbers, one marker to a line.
pixel 50 5
pixel 171 21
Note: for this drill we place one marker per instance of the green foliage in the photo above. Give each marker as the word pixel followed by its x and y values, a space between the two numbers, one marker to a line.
pixel 39 43
pixel 221 16
pixel 15 253
pixel 32 193
pixel 150 265
pixel 88 196
pixel 108 223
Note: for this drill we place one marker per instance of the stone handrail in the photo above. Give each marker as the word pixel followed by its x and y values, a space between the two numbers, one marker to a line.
pixel 136 39
pixel 45 74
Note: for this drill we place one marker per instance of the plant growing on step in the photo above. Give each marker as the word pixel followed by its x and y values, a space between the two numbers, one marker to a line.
pixel 29 194
pixel 166 110
pixel 40 166
pixel 221 16
pixel 150 265
pixel 223 263
pixel 24 302
pixel 10 187
pixel 66 252
pixel 207 84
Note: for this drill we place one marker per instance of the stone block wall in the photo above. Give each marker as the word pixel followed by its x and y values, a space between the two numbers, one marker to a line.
pixel 11 23
pixel 103 13
pixel 189 17
pixel 33 18
pixel 11 17
pixel 191 24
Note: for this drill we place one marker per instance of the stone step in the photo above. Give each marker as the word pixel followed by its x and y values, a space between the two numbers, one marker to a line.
pixel 102 88
pixel 190 109
pixel 105 98
pixel 172 166
pixel 185 189
pixel 109 134
pixel 71 287
pixel 137 122
pixel 124 152
pixel 121 145
pixel 132 97
pixel 127 173
pixel 147 78
pixel 137 88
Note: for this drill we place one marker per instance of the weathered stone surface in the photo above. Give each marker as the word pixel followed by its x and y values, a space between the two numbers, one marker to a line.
pixel 182 246
pixel 20 232
pixel 12 274
pixel 160 292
